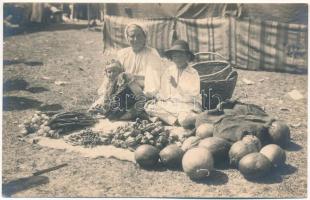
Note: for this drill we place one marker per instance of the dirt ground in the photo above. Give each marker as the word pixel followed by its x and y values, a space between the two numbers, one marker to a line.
pixel 32 64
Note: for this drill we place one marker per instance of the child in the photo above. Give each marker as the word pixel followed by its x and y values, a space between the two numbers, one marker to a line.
pixel 112 70
pixel 120 97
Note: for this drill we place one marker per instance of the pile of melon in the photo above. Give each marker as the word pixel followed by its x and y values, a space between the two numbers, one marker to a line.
pixel 201 153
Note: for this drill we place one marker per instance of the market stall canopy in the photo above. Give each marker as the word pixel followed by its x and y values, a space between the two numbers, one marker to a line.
pixel 166 10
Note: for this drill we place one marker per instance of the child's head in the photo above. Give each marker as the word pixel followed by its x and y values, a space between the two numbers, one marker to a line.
pixel 113 68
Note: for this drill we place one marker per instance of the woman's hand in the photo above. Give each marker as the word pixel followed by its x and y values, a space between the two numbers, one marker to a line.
pixel 173 82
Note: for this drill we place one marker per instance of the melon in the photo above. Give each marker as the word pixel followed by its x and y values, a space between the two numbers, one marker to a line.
pixel 171 156
pixel 275 154
pixel 205 130
pixel 279 133
pixel 251 139
pixel 187 120
pixel 238 150
pixel 254 165
pixel 147 156
pixel 218 147
pixel 197 163
pixel 190 143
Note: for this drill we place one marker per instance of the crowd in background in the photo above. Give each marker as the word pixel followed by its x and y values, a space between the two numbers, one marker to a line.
pixel 30 13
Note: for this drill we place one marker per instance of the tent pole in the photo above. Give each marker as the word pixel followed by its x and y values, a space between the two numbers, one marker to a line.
pixel 88 15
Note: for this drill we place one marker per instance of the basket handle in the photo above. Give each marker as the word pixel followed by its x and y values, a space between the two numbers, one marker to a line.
pixel 231 75
pixel 210 53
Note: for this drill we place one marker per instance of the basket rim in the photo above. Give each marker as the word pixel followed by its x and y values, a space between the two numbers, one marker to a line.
pixel 216 73
pixel 210 61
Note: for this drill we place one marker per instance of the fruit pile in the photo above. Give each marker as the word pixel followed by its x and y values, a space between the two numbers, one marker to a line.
pixel 86 138
pixel 140 132
pixel 199 154
pixel 54 124
pixel 39 123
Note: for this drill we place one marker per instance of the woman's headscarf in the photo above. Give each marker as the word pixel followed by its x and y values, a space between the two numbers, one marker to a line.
pixel 136 26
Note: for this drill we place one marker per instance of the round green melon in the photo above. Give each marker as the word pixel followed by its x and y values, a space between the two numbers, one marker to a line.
pixel 190 143
pixel 197 163
pixel 275 154
pixel 238 150
pixel 279 133
pixel 254 165
pixel 171 156
pixel 147 156
pixel 218 147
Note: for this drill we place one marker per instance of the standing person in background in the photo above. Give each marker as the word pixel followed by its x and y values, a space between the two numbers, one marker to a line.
pixel 140 61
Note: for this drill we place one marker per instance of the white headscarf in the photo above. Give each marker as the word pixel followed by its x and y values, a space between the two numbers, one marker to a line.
pixel 137 25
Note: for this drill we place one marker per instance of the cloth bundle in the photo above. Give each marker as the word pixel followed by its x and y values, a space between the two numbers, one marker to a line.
pixel 236 120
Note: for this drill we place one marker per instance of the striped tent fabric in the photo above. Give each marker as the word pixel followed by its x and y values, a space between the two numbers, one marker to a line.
pixel 268 45
pixel 248 44
pixel 159 31
pixel 204 35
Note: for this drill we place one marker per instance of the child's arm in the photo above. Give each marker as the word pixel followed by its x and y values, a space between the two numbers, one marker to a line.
pixel 103 88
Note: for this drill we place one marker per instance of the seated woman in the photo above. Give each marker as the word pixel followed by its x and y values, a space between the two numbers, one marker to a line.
pixel 180 87
pixel 141 61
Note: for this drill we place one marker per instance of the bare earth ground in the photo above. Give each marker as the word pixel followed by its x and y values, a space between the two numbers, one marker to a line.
pixel 75 56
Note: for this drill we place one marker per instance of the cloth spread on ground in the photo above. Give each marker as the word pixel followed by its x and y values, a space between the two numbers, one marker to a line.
pixel 107 151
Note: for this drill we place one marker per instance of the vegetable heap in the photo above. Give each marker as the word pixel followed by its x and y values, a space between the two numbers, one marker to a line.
pixel 140 132
pixel 86 138
pixel 54 124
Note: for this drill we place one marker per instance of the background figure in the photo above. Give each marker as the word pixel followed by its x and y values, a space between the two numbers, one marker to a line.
pixel 40 13
pixel 93 10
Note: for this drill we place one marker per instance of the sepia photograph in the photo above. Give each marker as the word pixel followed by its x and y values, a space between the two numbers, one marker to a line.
pixel 154 100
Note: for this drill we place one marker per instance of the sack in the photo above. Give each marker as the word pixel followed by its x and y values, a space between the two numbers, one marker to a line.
pixel 235 127
pixel 228 107
pixel 232 120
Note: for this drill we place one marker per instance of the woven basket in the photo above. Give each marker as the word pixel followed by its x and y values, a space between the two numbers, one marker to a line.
pixel 217 78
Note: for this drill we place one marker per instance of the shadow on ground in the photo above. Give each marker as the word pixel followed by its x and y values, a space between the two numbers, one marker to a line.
pixel 37 89
pixel 11 103
pixel 216 178
pixel 159 167
pixel 15 62
pixel 293 147
pixel 286 169
pixel 15 84
pixel 21 184
pixel 275 175
pixel 50 107
pixel 21 84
